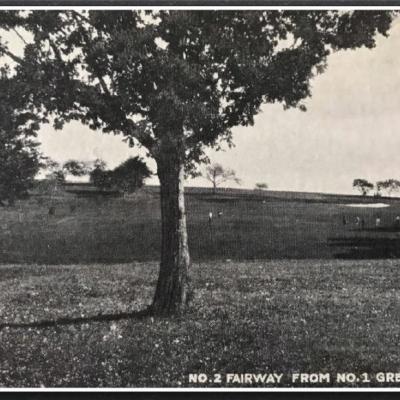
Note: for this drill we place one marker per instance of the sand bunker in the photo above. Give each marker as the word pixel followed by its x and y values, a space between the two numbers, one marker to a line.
pixel 368 205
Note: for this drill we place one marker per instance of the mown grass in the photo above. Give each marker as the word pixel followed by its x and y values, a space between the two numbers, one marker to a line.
pixel 258 226
pixel 280 316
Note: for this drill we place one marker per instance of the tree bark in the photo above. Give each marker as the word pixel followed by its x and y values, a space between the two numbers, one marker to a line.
pixel 171 295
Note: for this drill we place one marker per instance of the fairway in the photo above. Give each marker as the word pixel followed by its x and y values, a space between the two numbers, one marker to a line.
pixel 253 225
pixel 264 317
pixel 72 286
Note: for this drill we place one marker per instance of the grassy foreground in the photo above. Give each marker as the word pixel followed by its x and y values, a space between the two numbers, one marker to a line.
pixel 275 316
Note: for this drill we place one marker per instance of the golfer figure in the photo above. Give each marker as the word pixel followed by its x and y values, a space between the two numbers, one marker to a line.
pixel 210 224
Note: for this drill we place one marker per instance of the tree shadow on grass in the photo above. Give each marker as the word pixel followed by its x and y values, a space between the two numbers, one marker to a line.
pixel 365 247
pixel 389 229
pixel 81 320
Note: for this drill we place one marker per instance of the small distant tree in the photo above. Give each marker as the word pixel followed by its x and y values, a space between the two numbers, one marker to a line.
pixel 363 186
pixel 217 174
pixel 261 186
pixel 54 175
pixel 130 175
pixel 379 185
pixel 75 168
pixel 389 185
pixel 100 164
pixel 99 176
pixel 127 177
pixel 57 172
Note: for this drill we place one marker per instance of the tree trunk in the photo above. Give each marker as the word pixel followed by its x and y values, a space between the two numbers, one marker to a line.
pixel 171 295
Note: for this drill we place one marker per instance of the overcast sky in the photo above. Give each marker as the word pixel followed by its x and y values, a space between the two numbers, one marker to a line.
pixel 351 130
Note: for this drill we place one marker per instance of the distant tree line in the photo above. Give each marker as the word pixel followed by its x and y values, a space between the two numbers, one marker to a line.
pixel 389 186
pixel 126 177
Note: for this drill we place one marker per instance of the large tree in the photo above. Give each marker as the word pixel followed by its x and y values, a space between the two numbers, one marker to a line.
pixel 177 82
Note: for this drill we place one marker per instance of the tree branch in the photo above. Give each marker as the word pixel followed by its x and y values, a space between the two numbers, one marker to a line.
pixel 20 36
pixel 102 82
pixel 82 17
pixel 15 58
pixel 55 50
pixel 140 132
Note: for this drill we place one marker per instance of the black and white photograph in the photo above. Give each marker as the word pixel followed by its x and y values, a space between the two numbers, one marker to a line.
pixel 199 198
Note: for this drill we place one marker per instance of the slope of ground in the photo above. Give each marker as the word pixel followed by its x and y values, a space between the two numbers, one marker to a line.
pixel 253 225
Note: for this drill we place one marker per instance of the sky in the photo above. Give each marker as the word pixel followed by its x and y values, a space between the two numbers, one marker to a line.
pixel 350 130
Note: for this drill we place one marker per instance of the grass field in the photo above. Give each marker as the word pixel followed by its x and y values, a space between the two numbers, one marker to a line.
pixel 280 316
pixel 253 226
pixel 271 292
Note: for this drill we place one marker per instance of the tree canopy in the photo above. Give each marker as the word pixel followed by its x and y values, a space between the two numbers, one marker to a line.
pixel 390 185
pixel 363 186
pixel 57 172
pixel 191 75
pixel 20 159
pixel 127 177
pixel 261 186
pixel 217 175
